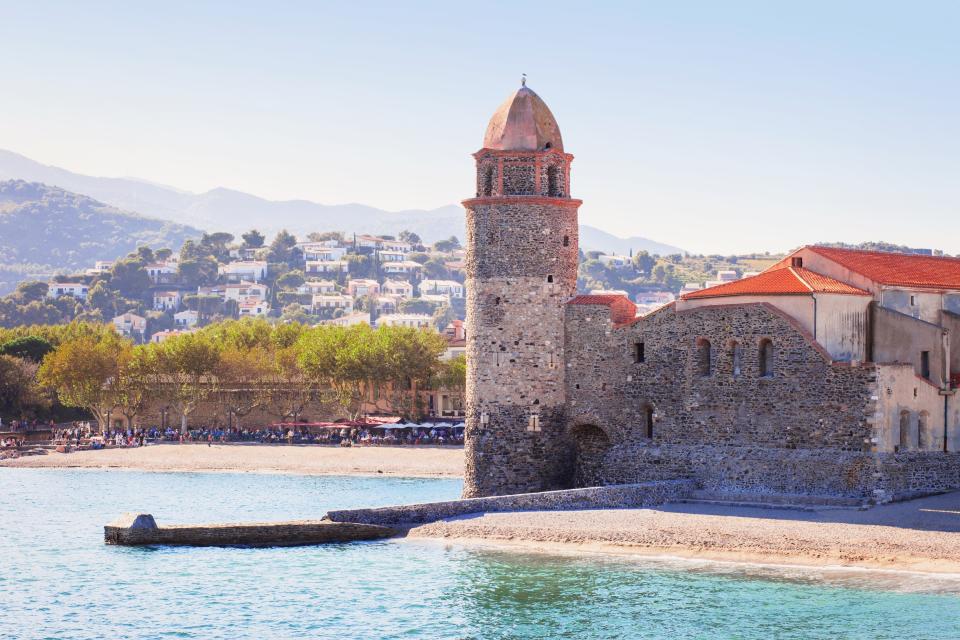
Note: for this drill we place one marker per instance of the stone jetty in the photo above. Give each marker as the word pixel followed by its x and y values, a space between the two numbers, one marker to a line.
pixel 133 529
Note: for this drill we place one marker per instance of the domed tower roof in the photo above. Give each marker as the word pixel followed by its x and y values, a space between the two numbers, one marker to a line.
pixel 523 123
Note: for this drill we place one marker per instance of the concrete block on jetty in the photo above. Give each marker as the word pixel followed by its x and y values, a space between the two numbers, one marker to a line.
pixel 141 529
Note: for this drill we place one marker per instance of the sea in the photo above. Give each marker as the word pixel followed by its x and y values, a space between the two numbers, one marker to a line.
pixel 58 580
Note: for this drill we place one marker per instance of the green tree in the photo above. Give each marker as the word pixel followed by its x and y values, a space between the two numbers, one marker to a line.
pixel 445 246
pixel 644 262
pixel 253 239
pixel 30 291
pixel 83 371
pixel 29 347
pixel 182 369
pixel 20 395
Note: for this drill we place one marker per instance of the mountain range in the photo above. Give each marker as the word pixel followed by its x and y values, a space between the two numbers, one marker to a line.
pixel 45 229
pixel 235 211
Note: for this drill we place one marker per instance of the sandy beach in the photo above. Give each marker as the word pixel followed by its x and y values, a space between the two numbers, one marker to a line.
pixel 427 462
pixel 920 535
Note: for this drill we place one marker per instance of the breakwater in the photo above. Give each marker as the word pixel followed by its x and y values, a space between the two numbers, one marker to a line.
pixel 349 525
pixel 142 529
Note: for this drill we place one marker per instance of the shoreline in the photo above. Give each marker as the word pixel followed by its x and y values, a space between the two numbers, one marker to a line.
pixel 734 559
pixel 306 460
pixel 920 536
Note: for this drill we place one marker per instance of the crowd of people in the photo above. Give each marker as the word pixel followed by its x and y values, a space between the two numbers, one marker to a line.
pixel 86 435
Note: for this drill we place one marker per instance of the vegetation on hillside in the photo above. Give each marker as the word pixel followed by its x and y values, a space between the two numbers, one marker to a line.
pixel 46 229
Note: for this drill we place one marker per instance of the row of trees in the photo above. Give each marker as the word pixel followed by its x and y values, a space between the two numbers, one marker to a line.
pixel 245 365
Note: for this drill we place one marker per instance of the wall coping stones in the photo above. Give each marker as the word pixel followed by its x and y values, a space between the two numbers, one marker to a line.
pixel 624 496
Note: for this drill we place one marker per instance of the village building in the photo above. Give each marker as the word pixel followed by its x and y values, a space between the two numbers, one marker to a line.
pixel 162 272
pixel 186 319
pixel 401 288
pixel 326 267
pixel 615 261
pixel 404 267
pixel 130 325
pixel 251 270
pixel 450 288
pixel 99 268
pixel 76 290
pixel 245 291
pixel 253 308
pixel 317 287
pixel 167 299
pixel 363 287
pixel 391 256
pixel 328 302
pixel 320 252
pixel 412 320
pixel 828 378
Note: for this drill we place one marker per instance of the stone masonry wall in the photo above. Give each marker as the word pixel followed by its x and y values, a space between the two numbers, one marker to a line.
pixel 646 494
pixel 521 269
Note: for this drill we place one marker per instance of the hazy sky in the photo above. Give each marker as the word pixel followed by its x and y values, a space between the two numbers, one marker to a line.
pixel 715 126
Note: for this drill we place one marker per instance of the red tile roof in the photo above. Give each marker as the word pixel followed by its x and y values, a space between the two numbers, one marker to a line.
pixel 898 269
pixel 785 281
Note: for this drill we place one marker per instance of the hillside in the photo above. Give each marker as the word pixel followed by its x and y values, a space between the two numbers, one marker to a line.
pixel 236 212
pixel 45 229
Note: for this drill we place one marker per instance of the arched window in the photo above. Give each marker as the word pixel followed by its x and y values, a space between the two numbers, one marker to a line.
pixel 704 365
pixel 904 430
pixel 553 182
pixel 766 358
pixel 487 189
pixel 923 439
pixel 648 420
pixel 735 358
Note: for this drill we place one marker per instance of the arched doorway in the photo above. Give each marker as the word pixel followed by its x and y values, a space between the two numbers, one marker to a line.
pixel 591 443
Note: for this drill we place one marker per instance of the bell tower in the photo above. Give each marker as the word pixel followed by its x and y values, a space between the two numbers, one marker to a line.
pixel 521 270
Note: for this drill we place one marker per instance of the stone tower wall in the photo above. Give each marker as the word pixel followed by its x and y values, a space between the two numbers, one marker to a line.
pixel 521 269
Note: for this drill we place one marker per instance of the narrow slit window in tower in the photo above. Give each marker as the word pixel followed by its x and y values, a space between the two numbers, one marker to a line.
pixel 553 182
pixel 648 420
pixel 638 352
pixel 566 241
pixel 487 182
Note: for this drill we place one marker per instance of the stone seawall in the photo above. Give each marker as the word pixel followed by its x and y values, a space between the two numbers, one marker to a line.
pixel 645 494
pixel 141 529
pixel 871 477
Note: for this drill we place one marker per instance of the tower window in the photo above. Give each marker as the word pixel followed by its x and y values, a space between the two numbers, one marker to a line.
pixel 704 365
pixel 638 352
pixel 648 420
pixel 566 241
pixel 925 365
pixel 487 189
pixel 553 182
pixel 547 146
pixel 766 358
pixel 796 261
pixel 550 278
pixel 735 357
pixel 496 300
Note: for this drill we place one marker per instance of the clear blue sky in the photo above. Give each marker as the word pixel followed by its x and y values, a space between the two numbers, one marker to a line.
pixel 716 126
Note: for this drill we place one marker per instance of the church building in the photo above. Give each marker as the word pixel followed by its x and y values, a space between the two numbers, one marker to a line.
pixel 828 377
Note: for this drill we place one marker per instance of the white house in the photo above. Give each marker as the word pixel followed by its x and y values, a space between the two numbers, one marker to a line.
pixel 316 287
pixel 253 308
pixel 130 325
pixel 100 267
pixel 162 272
pixel 332 301
pixel 185 319
pixel 327 266
pixel 405 267
pixel 392 256
pixel 76 290
pixel 450 288
pixel 164 300
pixel 400 288
pixel 245 290
pixel 252 270
pixel 394 245
pixel 363 287
pixel 349 319
pixel 160 336
pixel 615 261
pixel 415 320
pixel 316 252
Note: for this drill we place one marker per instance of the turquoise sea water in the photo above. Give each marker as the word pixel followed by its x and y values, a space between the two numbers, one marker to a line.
pixel 58 579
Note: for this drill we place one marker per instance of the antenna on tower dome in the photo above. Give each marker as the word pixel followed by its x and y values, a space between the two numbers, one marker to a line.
pixel 523 80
